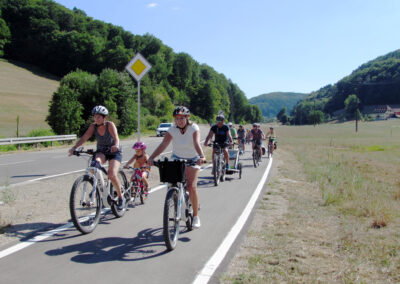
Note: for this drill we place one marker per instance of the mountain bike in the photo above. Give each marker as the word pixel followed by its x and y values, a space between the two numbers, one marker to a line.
pixel 256 156
pixel 136 188
pixel 177 206
pixel 92 191
pixel 218 164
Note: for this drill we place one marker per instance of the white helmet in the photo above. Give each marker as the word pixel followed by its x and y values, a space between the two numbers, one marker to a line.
pixel 99 110
pixel 230 124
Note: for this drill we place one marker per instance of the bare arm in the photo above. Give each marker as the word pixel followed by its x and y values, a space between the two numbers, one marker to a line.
pixel 196 141
pixel 89 132
pixel 130 161
pixel 114 133
pixel 164 144
pixel 209 136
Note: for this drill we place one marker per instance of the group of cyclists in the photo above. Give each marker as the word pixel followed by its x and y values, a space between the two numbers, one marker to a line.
pixel 185 138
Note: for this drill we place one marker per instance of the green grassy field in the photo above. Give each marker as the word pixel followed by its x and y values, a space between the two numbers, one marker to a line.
pixel 24 91
pixel 336 195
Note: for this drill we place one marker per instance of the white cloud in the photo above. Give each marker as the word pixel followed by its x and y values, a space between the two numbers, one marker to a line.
pixel 152 5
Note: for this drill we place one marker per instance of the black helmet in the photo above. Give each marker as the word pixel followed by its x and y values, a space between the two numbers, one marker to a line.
pixel 182 110
pixel 220 117
pixel 99 110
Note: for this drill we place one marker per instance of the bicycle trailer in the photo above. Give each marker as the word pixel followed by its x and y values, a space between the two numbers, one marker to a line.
pixel 234 165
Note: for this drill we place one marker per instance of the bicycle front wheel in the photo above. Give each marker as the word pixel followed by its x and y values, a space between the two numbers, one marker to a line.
pixel 255 158
pixel 84 208
pixel 170 220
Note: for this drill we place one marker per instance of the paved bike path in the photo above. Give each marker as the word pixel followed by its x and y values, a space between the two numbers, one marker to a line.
pixel 132 249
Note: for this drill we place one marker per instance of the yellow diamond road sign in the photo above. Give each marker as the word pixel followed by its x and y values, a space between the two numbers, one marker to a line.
pixel 138 67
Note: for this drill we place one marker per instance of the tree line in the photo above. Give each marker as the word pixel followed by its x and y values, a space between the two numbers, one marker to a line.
pixel 373 83
pixel 90 56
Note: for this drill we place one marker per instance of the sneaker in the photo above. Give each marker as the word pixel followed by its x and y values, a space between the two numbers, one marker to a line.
pixel 121 203
pixel 196 222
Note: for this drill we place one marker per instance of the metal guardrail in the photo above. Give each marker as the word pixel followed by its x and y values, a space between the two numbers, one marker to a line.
pixel 35 140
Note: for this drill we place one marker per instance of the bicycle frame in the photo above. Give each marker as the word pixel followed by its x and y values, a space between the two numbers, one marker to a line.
pixel 97 175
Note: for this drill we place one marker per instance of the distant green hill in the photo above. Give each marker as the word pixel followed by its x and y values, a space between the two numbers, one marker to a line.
pixel 271 103
pixel 376 82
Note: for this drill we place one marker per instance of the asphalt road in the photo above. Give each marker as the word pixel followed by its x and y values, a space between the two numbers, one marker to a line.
pixel 131 249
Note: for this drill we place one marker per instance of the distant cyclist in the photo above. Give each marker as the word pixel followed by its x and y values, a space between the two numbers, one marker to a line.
pixel 271 135
pixel 185 137
pixel 108 147
pixel 232 130
pixel 257 135
pixel 222 137
pixel 241 136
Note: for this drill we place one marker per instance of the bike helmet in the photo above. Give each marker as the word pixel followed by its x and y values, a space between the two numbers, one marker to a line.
pixel 181 110
pixel 139 146
pixel 229 123
pixel 255 124
pixel 99 110
pixel 220 117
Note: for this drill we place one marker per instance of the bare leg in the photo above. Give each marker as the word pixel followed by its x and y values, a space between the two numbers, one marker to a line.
pixel 191 182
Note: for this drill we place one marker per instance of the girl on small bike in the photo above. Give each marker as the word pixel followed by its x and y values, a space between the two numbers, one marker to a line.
pixel 185 137
pixel 108 147
pixel 140 159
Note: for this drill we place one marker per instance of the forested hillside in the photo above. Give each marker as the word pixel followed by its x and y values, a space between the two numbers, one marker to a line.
pixel 375 82
pixel 271 103
pixel 92 55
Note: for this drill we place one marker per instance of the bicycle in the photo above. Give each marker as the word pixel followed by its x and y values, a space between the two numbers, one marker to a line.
pixel 177 205
pixel 256 156
pixel 218 164
pixel 92 191
pixel 136 188
pixel 270 145
pixel 240 145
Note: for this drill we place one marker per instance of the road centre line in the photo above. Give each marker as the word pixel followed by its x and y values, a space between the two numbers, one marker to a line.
pixel 15 163
pixel 209 268
pixel 52 176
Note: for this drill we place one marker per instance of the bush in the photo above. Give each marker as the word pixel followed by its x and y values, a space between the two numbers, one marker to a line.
pixel 41 132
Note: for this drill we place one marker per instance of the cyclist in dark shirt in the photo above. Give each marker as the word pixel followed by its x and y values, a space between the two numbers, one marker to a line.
pixel 222 137
pixel 108 147
pixel 257 135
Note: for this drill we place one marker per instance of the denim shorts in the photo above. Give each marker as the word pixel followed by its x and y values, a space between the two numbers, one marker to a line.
pixel 191 160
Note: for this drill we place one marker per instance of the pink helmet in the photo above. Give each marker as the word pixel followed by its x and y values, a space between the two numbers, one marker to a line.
pixel 139 146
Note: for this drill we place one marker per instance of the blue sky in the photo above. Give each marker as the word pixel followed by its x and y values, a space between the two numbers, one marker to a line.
pixel 262 45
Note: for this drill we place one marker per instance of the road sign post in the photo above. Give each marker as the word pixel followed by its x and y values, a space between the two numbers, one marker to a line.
pixel 137 68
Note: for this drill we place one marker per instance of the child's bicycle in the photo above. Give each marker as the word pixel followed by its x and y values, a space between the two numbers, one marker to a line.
pixel 92 191
pixel 136 189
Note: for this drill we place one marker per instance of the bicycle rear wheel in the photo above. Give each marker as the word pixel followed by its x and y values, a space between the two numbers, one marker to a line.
pixel 124 184
pixel 188 213
pixel 170 221
pixel 217 171
pixel 84 214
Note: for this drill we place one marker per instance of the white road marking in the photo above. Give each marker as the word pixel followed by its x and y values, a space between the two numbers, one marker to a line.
pixel 15 163
pixel 212 264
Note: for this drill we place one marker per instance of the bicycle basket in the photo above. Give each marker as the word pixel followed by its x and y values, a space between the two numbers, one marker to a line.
pixel 172 171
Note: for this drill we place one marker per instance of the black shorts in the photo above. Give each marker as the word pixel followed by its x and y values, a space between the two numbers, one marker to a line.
pixel 221 144
pixel 112 155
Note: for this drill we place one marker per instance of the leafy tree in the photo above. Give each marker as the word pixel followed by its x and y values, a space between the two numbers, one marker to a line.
pixel 5 34
pixel 315 117
pixel 351 106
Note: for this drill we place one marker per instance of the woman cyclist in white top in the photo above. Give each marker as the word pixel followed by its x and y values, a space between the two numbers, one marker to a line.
pixel 185 137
